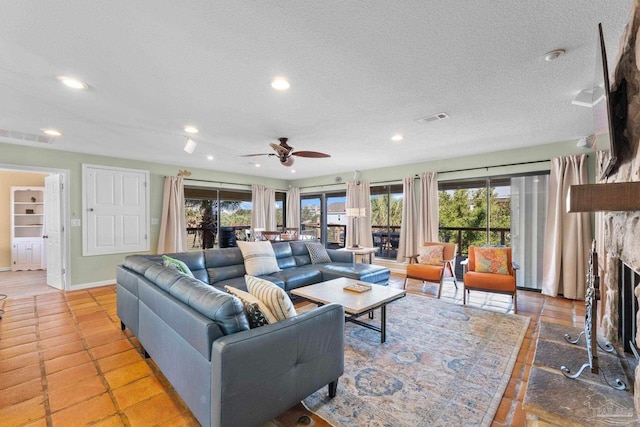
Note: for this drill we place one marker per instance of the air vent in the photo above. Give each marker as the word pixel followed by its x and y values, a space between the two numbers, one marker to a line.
pixel 24 136
pixel 433 118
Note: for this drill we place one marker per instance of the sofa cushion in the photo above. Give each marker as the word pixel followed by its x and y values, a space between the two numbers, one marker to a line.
pixel 249 300
pixel 259 258
pixel 364 272
pixel 318 253
pixel 194 260
pixel 273 296
pixel 292 278
pixel 300 253
pixel 211 302
pixel 284 255
pixel 176 264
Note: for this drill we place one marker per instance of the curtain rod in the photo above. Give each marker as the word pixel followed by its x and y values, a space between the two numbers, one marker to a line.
pixel 215 182
pixel 446 171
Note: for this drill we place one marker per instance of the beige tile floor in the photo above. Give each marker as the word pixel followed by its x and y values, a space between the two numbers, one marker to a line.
pixel 65 362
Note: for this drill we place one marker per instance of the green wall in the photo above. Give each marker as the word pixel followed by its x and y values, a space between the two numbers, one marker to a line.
pixel 478 165
pixel 95 270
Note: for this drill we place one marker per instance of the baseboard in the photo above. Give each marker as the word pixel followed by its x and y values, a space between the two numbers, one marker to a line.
pixel 5 268
pixel 81 286
pixel 394 266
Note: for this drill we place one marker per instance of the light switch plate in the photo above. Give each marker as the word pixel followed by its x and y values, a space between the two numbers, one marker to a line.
pixel 76 222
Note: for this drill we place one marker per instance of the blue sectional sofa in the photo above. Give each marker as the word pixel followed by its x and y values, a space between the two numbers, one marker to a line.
pixel 199 337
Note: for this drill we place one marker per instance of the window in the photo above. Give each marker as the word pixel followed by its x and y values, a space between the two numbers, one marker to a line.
pixel 311 215
pixel 507 211
pixel 386 217
pixel 216 218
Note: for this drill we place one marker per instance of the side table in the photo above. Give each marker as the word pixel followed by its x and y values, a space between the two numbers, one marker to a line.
pixel 363 252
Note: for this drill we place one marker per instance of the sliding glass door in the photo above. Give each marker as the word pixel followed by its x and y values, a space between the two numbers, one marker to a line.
pixel 499 211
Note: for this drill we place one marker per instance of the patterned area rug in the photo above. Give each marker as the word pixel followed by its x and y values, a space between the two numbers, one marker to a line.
pixel 442 365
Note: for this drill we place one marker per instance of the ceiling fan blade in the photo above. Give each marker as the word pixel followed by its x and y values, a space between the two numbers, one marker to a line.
pixel 254 155
pixel 309 154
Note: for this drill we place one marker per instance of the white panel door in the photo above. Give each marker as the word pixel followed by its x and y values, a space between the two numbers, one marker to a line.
pixel 115 210
pixel 53 230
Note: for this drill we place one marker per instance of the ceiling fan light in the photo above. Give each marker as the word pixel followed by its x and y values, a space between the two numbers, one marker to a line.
pixel 287 162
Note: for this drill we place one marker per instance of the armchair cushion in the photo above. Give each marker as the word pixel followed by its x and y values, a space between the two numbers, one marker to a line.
pixel 491 260
pixel 431 255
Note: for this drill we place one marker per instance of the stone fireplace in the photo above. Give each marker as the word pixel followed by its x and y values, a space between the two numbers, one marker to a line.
pixel 619 232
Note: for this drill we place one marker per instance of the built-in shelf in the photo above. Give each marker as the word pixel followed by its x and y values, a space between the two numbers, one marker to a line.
pixel 615 196
pixel 27 228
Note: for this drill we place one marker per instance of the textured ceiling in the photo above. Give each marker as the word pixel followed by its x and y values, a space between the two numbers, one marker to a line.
pixel 360 72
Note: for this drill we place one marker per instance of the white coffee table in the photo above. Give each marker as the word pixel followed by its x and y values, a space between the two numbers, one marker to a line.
pixel 355 304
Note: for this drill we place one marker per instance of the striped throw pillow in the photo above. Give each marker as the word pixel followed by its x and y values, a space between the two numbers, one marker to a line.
pixel 248 299
pixel 274 297
pixel 259 258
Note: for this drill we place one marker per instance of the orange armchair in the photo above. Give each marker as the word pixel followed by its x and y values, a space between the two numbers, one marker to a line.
pixel 490 269
pixel 434 271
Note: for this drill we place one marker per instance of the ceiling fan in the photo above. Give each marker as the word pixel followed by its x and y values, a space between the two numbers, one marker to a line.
pixel 284 152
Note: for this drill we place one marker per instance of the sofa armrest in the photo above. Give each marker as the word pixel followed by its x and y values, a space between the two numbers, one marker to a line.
pixel 273 367
pixel 341 256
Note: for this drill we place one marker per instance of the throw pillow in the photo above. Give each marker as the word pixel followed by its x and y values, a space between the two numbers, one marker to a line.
pixel 249 300
pixel 431 255
pixel 259 258
pixel 491 260
pixel 274 297
pixel 177 265
pixel 318 253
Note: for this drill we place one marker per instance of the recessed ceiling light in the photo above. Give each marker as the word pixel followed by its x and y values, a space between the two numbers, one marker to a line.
pixel 397 138
pixel 280 83
pixel 191 129
pixel 209 157
pixel 52 132
pixel 257 165
pixel 293 171
pixel 553 55
pixel 73 83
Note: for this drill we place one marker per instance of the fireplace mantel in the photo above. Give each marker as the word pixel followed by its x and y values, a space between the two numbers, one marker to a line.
pixel 615 196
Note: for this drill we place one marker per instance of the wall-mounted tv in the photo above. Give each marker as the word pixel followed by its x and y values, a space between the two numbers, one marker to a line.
pixel 609 113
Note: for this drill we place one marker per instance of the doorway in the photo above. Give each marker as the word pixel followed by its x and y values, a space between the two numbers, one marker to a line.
pixel 57 201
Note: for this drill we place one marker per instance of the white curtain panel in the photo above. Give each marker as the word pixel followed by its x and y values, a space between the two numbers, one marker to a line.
pixel 567 235
pixel 428 208
pixel 359 196
pixel 173 225
pixel 258 215
pixel 270 209
pixel 293 207
pixel 408 244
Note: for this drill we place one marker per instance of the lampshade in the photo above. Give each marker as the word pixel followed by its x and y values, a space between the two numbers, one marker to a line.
pixel 190 146
pixel 356 212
